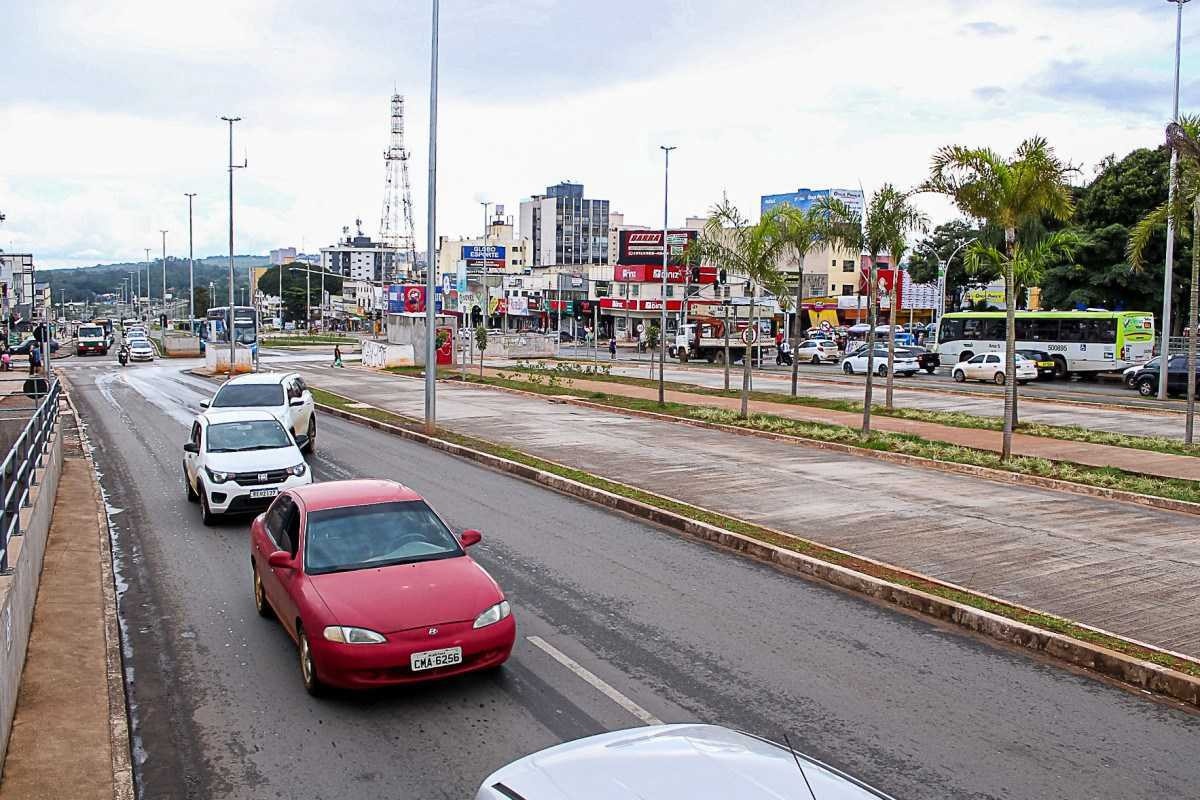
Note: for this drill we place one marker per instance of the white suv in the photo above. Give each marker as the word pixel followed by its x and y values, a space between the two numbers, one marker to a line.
pixel 236 462
pixel 283 394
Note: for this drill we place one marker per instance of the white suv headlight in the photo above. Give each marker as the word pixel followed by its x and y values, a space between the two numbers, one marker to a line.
pixel 347 635
pixel 299 469
pixel 217 477
pixel 493 615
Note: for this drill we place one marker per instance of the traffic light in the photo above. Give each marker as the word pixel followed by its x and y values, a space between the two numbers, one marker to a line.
pixel 695 274
pixel 721 276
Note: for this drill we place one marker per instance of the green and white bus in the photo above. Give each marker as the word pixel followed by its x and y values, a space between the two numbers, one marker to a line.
pixel 1078 341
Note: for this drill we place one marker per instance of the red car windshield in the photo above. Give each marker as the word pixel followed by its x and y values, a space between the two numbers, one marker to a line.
pixel 378 535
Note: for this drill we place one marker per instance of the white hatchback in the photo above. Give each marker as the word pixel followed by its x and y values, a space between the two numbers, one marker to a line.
pixel 236 462
pixel 817 351
pixel 990 367
pixel 283 394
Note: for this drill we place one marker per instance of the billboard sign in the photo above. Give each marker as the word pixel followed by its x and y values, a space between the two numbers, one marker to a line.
pixel 646 247
pixel 481 256
pixel 804 199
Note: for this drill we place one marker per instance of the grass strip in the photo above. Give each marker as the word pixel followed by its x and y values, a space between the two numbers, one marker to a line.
pixel 1046 622
pixel 954 419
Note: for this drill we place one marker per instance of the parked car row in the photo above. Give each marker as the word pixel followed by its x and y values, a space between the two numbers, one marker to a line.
pixel 1146 377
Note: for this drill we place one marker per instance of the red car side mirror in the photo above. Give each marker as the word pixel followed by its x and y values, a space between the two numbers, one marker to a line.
pixel 470 537
pixel 280 558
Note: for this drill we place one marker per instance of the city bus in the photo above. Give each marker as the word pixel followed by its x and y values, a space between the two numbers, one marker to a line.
pixel 1087 342
pixel 245 327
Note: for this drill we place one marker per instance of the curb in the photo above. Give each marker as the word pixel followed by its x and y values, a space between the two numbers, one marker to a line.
pixel 1134 672
pixel 987 473
pixel 118 717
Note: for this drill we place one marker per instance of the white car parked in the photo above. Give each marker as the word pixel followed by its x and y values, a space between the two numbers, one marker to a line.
pixel 906 365
pixel 817 351
pixel 236 462
pixel 283 394
pixel 990 367
pixel 141 350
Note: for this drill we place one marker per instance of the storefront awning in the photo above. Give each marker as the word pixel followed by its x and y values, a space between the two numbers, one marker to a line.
pixel 824 315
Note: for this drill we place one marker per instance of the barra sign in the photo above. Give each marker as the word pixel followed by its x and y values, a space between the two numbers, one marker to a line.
pixel 646 247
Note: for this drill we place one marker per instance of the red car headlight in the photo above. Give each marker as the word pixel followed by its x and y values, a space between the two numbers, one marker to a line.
pixel 348 635
pixel 493 615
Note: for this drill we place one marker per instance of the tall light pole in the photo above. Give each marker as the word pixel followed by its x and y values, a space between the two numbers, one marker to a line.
pixel 662 325
pixel 164 293
pixel 1168 270
pixel 431 252
pixel 148 306
pixel 191 266
pixel 229 323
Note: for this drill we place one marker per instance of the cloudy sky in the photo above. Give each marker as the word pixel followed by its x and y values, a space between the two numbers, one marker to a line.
pixel 109 111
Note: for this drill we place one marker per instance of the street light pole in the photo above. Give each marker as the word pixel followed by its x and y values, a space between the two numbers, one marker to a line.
pixel 662 325
pixel 1168 269
pixel 431 251
pixel 191 266
pixel 164 293
pixel 229 323
pixel 148 306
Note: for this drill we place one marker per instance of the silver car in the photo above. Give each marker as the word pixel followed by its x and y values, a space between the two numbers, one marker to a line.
pixel 671 762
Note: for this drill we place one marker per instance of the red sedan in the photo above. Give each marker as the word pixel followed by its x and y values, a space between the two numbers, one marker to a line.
pixel 374 588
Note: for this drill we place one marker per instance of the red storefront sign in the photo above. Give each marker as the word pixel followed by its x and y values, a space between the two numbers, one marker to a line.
pixel 650 273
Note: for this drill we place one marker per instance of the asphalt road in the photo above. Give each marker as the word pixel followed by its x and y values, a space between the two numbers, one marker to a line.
pixel 685 632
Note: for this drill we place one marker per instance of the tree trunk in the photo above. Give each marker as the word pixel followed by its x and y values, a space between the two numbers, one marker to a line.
pixel 1010 348
pixel 799 323
pixel 1194 291
pixel 873 277
pixel 746 359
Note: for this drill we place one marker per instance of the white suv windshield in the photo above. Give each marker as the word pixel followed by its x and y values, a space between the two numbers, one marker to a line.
pixel 241 395
pixel 235 437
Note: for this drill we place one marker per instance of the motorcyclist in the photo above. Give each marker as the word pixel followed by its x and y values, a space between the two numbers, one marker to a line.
pixel 123 353
pixel 785 353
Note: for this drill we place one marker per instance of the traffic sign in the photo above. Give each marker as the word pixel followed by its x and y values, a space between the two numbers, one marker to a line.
pixel 749 336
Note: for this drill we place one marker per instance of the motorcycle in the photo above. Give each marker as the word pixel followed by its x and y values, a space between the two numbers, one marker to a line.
pixel 123 356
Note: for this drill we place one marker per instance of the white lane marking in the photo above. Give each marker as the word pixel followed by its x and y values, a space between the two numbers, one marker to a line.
pixel 597 683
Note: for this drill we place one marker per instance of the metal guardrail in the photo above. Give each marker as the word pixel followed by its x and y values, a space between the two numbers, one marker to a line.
pixel 18 471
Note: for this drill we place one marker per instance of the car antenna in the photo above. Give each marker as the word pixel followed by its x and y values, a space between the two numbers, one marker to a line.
pixel 792 750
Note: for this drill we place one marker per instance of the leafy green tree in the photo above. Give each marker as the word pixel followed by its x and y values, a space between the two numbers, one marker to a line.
pixel 947 242
pixel 202 302
pixel 1008 193
pixel 295 282
pixel 481 343
pixel 749 251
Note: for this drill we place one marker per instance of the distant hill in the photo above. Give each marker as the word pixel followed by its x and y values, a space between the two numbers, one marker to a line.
pixel 83 283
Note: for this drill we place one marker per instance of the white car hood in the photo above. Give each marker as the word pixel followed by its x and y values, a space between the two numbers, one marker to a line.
pixel 669 762
pixel 254 460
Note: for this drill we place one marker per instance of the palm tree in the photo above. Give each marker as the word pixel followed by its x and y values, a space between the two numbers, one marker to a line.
pixel 731 243
pixel 1187 193
pixel 803 232
pixel 1008 193
pixel 1028 264
pixel 892 217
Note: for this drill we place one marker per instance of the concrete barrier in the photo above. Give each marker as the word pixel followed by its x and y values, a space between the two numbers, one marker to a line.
pixel 521 345
pixel 18 589
pixel 381 355
pixel 216 359
pixel 179 344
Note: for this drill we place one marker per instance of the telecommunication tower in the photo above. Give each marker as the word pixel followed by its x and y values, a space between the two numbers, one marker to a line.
pixel 394 230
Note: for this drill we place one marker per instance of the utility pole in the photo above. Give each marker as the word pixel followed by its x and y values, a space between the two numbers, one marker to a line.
pixel 431 254
pixel 1168 269
pixel 662 327
pixel 191 266
pixel 229 323
pixel 149 308
pixel 164 293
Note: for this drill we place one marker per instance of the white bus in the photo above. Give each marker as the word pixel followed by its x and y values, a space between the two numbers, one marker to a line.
pixel 1079 341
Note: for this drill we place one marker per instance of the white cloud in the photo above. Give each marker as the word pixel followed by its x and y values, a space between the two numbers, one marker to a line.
pixel 802 95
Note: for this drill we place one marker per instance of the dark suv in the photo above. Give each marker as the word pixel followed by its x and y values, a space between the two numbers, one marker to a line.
pixel 1147 380
pixel 926 359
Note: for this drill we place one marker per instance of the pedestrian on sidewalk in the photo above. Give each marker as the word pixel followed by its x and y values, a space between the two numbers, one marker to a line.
pixel 612 347
pixel 337 356
pixel 35 358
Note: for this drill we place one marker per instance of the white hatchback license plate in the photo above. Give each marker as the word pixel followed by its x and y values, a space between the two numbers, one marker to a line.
pixel 258 494
pixel 430 659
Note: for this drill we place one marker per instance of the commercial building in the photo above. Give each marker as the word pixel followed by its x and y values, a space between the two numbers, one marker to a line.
pixel 565 227
pixel 358 258
pixel 289 255
pixel 17 293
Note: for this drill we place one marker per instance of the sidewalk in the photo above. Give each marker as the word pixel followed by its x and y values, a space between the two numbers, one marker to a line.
pixel 1164 465
pixel 1116 566
pixel 61 744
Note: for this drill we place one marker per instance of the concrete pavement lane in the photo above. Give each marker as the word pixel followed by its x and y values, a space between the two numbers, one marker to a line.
pixel 684 631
